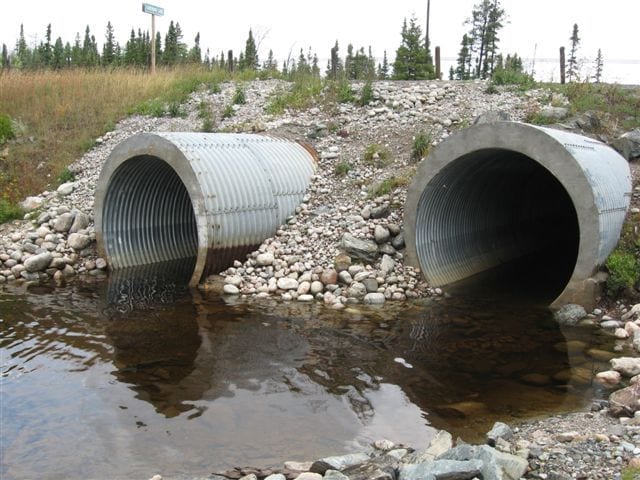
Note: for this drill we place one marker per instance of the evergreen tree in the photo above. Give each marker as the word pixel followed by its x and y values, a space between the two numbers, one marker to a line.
pixel 383 69
pixel 348 62
pixel 90 57
pixel 68 55
pixel 572 70
pixel 486 21
pixel 599 64
pixel 170 56
pixel 251 61
pixel 158 48
pixel 5 57
pixel 22 50
pixel 464 60
pixel 76 52
pixel 195 54
pixel 46 50
pixel 336 67
pixel 109 47
pixel 222 62
pixel 131 50
pixel 58 60
pixel 412 58
pixel 452 73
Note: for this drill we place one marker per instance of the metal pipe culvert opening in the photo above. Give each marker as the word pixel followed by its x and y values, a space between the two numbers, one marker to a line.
pixel 536 208
pixel 196 199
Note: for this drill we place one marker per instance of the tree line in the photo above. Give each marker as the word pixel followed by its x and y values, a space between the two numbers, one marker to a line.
pixel 478 56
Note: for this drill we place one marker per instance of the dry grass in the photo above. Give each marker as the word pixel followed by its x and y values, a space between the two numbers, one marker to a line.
pixel 61 113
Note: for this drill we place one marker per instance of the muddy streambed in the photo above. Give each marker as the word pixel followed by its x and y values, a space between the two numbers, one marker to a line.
pixel 128 380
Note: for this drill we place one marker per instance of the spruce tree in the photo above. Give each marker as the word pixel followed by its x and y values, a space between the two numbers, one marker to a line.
pixel 195 54
pixel 251 61
pixel 599 64
pixel 46 52
pixel 22 50
pixel 76 51
pixel 572 70
pixel 109 47
pixel 464 59
pixel 5 57
pixel 170 56
pixel 486 21
pixel 57 60
pixel 411 61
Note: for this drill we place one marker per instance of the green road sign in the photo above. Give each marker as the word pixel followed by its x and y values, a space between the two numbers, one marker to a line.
pixel 152 9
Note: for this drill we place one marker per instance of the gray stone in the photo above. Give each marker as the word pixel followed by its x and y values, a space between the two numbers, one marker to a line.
pixel 38 262
pixel 374 298
pixel 264 259
pixel 305 297
pixel 80 222
pixel 57 263
pixel 499 430
pixel 628 144
pixel 442 469
pixel 31 203
pixel 275 476
pixel 66 188
pixel 380 212
pixel 329 276
pixel 340 462
pixel 371 284
pixel 397 242
pixel 611 324
pixel 44 217
pixel 357 290
pixel 492 116
pixel 309 476
pixel 345 277
pixel 334 475
pixel 554 113
pixel 627 366
pixel 286 283
pixel 570 314
pixel 440 443
pixel 381 234
pixel 235 280
pixel 101 263
pixel 63 222
pixel 78 241
pixel 366 250
pixel 387 264
pixel 495 465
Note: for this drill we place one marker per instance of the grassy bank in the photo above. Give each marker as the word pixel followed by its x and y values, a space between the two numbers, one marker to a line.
pixel 56 116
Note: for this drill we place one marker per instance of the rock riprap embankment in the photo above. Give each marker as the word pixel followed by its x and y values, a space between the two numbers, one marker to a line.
pixel 57 238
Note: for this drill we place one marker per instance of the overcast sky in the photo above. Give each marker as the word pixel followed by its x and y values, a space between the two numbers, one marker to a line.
pixel 539 26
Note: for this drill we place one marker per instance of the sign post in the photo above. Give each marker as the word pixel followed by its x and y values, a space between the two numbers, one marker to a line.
pixel 153 10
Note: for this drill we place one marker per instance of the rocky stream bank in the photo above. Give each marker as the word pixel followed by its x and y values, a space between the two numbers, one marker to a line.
pixel 344 245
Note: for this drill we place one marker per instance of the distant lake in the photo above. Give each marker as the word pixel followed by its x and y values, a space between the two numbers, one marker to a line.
pixel 624 72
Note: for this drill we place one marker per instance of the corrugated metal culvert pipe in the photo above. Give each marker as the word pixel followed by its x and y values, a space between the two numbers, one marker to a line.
pixel 204 198
pixel 542 208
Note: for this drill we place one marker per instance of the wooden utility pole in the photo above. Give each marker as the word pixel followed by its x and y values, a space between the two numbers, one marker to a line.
pixel 153 10
pixel 426 35
pixel 438 72
pixel 562 65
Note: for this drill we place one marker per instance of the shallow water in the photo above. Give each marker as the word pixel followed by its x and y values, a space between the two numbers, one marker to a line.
pixel 126 380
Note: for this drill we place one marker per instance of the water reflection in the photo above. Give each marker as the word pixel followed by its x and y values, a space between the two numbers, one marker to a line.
pixel 191 383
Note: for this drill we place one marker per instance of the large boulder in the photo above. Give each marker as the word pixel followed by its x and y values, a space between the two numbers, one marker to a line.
pixel 38 262
pixel 78 241
pixel 365 250
pixel 628 144
pixel 570 314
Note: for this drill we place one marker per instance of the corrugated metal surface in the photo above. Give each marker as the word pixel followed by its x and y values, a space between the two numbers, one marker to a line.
pixel 493 204
pixel 246 185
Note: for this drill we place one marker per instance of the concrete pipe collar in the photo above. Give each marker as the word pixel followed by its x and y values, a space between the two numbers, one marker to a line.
pixel 201 199
pixel 541 208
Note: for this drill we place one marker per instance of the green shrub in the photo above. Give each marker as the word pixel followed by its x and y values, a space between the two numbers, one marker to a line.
pixel 9 211
pixel 623 271
pixel 345 92
pixel 388 185
pixel 228 111
pixel 66 176
pixel 239 97
pixel 366 96
pixel 208 125
pixel 535 118
pixel 6 129
pixel 421 146
pixel 377 155
pixel 153 108
pixel 176 110
pixel 303 93
pixel 504 76
pixel 491 89
pixel 342 168
pixel 214 87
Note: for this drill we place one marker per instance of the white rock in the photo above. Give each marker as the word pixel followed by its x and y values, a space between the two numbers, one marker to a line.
pixel 31 203
pixel 316 287
pixel 627 366
pixel 235 280
pixel 264 259
pixel 66 188
pixel 230 289
pixel 387 264
pixel 78 241
pixel 286 283
pixel 305 298
pixel 375 298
